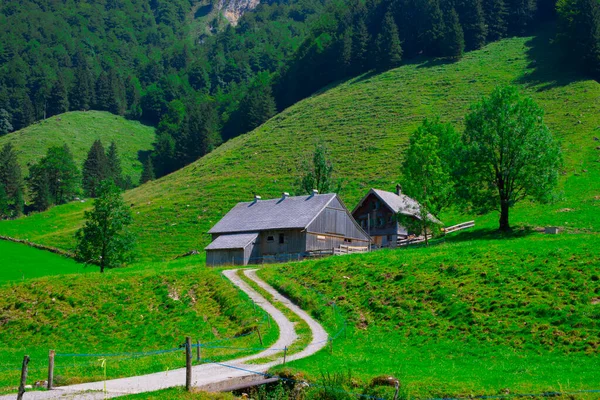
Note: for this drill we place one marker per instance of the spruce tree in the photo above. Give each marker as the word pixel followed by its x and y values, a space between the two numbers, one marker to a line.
pixel 114 170
pixel 5 125
pixel 433 28
pixel 472 20
pixel 345 53
pixel 95 169
pixel 83 89
pixel 39 187
pixel 454 42
pixel 258 105
pixel 58 102
pixel 103 92
pixel 389 50
pixel 24 115
pixel 496 19
pixel 11 177
pixel 360 47
pixel 520 16
pixel 117 100
pixel 4 209
pixel 148 171
pixel 200 132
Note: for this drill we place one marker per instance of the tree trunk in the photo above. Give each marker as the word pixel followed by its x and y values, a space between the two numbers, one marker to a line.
pixel 504 225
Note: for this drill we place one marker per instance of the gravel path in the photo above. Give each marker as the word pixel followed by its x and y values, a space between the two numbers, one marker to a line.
pixel 205 374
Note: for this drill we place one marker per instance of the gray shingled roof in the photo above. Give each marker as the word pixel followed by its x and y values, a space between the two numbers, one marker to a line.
pixel 283 213
pixel 234 241
pixel 401 204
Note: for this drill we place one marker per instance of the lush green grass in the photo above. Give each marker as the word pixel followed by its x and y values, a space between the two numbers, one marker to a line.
pixel 476 315
pixel 19 262
pixel 365 122
pixel 79 130
pixel 142 309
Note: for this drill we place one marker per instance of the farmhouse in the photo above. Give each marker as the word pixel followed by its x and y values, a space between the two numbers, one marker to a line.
pixel 376 213
pixel 284 228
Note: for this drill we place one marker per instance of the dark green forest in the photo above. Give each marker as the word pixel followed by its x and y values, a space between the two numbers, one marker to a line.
pixel 138 58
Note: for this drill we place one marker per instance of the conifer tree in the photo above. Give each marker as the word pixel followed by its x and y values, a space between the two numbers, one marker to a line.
pixel 433 28
pixel 11 178
pixel 114 170
pixel 39 187
pixel 5 125
pixel 117 100
pixel 389 50
pixel 520 16
pixel 200 133
pixel 103 92
pixel 579 27
pixel 360 47
pixel 148 171
pixel 495 18
pixel 4 209
pixel 24 115
pixel 454 42
pixel 95 169
pixel 472 20
pixel 82 92
pixel 345 49
pixel 58 102
pixel 258 105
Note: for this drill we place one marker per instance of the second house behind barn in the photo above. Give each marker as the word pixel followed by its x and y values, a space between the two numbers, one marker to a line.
pixel 282 229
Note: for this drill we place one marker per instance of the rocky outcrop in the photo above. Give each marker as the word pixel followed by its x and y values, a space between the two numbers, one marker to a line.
pixel 234 9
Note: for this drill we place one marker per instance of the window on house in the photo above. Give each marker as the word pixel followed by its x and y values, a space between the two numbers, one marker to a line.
pixel 346 240
pixel 270 239
pixel 320 237
pixel 281 238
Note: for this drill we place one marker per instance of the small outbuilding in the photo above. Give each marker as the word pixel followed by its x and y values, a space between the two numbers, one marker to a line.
pixel 287 228
pixel 377 214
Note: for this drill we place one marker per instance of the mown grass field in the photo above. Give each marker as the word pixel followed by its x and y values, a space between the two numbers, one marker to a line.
pixel 479 314
pixel 119 314
pixel 365 122
pixel 79 130
pixel 19 262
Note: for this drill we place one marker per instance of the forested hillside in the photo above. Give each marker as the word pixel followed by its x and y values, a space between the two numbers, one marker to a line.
pixel 151 60
pixel 365 123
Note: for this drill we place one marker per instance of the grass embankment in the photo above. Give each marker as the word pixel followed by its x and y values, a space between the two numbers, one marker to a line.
pixel 79 130
pixel 142 309
pixel 19 262
pixel 480 314
pixel 365 122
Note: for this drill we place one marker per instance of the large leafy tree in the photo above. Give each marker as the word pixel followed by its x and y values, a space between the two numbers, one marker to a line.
pixel 318 174
pixel 105 239
pixel 95 169
pixel 509 154
pixel 427 174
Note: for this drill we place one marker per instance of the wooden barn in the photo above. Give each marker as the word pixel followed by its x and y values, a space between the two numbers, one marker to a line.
pixel 283 229
pixel 376 213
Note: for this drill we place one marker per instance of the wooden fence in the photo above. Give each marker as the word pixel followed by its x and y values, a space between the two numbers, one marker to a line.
pixel 343 249
pixel 459 227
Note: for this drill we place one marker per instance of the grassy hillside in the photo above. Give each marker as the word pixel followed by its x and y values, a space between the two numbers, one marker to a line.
pixel 365 122
pixel 471 316
pixel 122 313
pixel 79 130
pixel 19 262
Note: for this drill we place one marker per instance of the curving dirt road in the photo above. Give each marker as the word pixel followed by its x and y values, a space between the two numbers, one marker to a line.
pixel 206 375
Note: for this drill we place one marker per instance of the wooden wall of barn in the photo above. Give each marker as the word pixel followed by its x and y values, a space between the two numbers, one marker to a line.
pixel 225 257
pixel 336 221
pixel 293 242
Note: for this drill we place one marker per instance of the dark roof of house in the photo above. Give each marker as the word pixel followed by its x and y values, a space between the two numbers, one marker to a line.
pixel 283 213
pixel 399 204
pixel 233 241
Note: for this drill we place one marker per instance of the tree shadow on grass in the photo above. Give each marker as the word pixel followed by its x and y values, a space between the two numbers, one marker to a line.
pixel 489 234
pixel 548 68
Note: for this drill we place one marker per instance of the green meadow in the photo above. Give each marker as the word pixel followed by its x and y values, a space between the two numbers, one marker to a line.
pixel 79 130
pixel 19 262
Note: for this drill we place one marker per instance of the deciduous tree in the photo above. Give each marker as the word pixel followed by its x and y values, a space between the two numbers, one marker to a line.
pixel 509 154
pixel 105 239
pixel 318 174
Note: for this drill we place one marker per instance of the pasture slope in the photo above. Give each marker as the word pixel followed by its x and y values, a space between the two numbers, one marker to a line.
pixel 79 129
pixel 365 122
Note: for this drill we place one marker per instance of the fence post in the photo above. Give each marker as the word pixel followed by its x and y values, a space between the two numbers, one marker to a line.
pixel 23 378
pixel 51 369
pixel 198 350
pixel 284 354
pixel 259 335
pixel 188 364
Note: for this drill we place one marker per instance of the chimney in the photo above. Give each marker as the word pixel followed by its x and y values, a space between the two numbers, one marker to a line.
pixel 256 198
pixel 285 195
pixel 314 192
pixel 398 189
